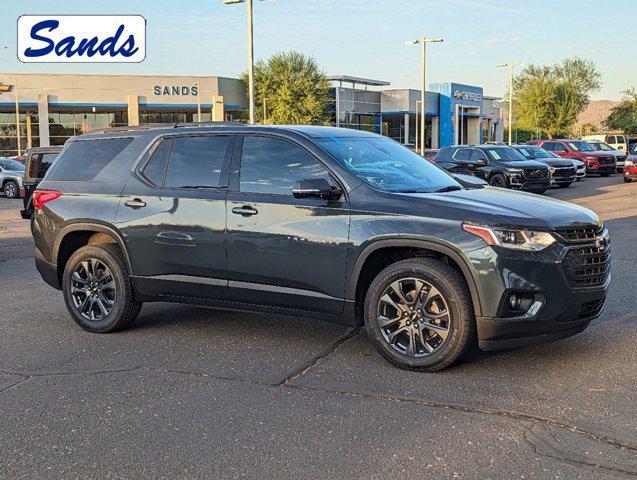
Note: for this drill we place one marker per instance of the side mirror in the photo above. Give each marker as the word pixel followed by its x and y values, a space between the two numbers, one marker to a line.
pixel 316 188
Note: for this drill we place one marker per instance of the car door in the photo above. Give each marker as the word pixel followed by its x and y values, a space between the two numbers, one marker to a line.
pixel 172 216
pixel 561 150
pixel 479 164
pixel 284 251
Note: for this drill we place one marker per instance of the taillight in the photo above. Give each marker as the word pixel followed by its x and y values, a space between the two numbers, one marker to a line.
pixel 23 192
pixel 40 197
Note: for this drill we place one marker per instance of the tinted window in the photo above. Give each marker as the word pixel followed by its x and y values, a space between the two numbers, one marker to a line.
pixel 504 153
pixel 84 159
pixel 549 146
pixel 539 153
pixel 610 138
pixel 620 139
pixel 46 159
pixel 156 166
pixel 559 147
pixel 270 165
pixel 195 162
pixel 386 165
pixel 462 155
pixel 580 146
pixel 444 154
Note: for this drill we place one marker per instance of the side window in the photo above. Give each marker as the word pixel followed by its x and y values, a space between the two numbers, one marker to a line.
pixel 549 146
pixel 155 167
pixel 478 155
pixel 560 147
pixel 620 139
pixel 272 166
pixel 444 154
pixel 610 139
pixel 196 162
pixel 462 155
pixel 46 159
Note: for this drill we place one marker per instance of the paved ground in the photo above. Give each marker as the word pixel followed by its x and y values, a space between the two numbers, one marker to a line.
pixel 195 393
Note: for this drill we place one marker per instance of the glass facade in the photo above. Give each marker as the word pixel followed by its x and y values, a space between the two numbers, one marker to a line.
pixel 65 124
pixel 356 109
pixel 28 131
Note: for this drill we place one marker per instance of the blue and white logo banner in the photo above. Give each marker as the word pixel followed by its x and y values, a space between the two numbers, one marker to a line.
pixel 81 38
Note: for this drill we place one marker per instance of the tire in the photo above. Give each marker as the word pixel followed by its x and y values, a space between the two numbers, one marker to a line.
pixel 564 184
pixel 627 180
pixel 453 298
pixel 498 180
pixel 11 189
pixel 604 174
pixel 123 309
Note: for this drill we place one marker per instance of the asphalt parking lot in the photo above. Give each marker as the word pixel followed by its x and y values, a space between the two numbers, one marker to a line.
pixel 190 392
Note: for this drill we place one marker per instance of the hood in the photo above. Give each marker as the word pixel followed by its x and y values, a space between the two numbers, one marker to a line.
pixel 497 206
pixel 556 162
pixel 599 153
pixel 524 164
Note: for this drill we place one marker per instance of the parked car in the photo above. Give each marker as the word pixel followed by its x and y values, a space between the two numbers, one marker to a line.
pixel 630 166
pixel 11 173
pixel 430 154
pixel 563 171
pixel 39 159
pixel 620 156
pixel 602 163
pixel 580 168
pixel 333 223
pixel 617 141
pixel 501 166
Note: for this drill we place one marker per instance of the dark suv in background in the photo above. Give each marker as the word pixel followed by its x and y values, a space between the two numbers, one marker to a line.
pixel 500 166
pixel 38 161
pixel 563 171
pixel 331 223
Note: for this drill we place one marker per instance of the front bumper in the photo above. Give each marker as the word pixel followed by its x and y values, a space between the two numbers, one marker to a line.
pixel 630 172
pixel 564 308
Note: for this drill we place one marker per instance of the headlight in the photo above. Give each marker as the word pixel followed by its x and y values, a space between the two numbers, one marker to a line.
pixel 628 163
pixel 528 240
pixel 514 170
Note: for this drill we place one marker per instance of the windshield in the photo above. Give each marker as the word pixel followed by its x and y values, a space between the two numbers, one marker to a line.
pixel 386 165
pixel 11 165
pixel 504 153
pixel 581 146
pixel 530 152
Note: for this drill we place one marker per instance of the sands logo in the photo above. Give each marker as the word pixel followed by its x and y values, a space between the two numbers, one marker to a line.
pixel 81 38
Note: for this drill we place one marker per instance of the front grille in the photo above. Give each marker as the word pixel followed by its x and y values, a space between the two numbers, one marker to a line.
pixel 581 234
pixel 563 172
pixel 590 309
pixel 537 174
pixel 587 266
pixel 605 160
pixel 621 158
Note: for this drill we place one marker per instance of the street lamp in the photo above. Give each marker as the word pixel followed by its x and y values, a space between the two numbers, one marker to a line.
pixel 423 43
pixel 510 65
pixel 250 55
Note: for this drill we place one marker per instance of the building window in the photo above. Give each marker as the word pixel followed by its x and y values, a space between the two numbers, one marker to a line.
pixel 65 124
pixel 29 132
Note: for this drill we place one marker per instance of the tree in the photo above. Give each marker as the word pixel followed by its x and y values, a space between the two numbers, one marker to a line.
pixel 550 98
pixel 623 116
pixel 295 90
pixel 588 128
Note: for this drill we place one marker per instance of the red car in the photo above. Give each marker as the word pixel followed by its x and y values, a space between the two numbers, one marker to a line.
pixel 430 154
pixel 602 163
pixel 630 165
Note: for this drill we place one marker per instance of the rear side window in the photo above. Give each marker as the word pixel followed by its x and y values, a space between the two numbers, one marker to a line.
pixel 196 162
pixel 444 154
pixel 39 164
pixel 621 139
pixel 462 155
pixel 156 166
pixel 84 159
pixel 549 146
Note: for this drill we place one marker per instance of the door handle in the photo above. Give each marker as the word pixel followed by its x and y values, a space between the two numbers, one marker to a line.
pixel 135 203
pixel 175 238
pixel 245 211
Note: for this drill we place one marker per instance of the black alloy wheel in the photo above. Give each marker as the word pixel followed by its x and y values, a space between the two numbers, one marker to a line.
pixel 498 180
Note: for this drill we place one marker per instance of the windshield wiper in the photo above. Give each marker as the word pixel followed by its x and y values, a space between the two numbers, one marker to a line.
pixel 448 188
pixel 411 191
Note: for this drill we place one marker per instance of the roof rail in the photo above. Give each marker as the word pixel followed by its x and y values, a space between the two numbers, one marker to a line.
pixel 154 126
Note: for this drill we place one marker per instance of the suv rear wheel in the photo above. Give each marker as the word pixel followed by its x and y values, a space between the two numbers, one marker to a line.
pixel 97 290
pixel 418 314
pixel 498 180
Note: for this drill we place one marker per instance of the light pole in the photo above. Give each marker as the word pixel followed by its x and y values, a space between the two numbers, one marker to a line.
pixel 17 119
pixel 423 43
pixel 417 127
pixel 250 56
pixel 510 65
pixel 198 104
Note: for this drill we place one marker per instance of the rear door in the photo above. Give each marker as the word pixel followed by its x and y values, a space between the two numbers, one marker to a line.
pixel 461 161
pixel 284 251
pixel 172 216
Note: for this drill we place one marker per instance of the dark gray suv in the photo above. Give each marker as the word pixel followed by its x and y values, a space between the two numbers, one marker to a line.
pixel 337 224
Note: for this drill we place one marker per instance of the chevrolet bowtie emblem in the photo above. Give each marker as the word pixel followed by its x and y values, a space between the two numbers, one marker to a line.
pixel 5 88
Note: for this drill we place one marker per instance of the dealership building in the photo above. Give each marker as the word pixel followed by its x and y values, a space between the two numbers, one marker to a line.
pixel 54 107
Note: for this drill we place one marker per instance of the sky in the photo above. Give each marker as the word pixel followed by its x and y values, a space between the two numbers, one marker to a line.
pixel 364 38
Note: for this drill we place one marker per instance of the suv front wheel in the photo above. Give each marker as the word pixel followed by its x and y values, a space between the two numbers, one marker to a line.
pixel 418 314
pixel 97 290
